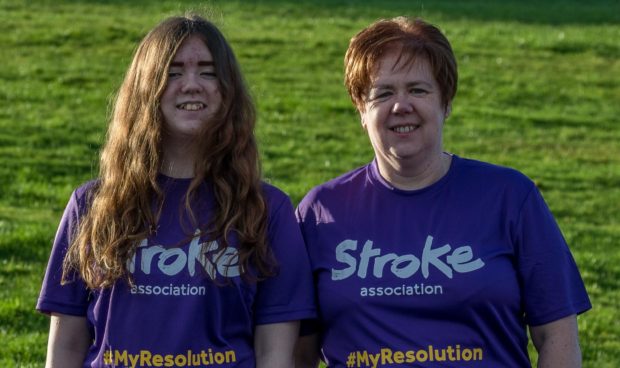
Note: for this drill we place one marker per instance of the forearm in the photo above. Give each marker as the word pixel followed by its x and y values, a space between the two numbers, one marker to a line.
pixel 557 344
pixel 64 357
pixel 274 361
pixel 558 358
pixel 274 344
pixel 68 342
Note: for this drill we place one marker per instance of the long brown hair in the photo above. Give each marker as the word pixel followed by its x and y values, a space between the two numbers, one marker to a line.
pixel 121 208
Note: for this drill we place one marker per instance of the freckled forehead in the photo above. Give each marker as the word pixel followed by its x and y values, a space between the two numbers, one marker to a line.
pixel 193 50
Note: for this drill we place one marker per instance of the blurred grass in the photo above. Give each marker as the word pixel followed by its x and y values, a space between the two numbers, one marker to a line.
pixel 538 91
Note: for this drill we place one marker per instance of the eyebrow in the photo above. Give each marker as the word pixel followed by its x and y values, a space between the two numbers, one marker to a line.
pixel 200 63
pixel 410 84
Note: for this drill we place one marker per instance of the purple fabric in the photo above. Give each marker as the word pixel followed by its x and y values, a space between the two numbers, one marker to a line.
pixel 445 276
pixel 176 315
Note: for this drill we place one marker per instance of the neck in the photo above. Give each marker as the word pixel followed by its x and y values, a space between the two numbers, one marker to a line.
pixel 178 161
pixel 413 175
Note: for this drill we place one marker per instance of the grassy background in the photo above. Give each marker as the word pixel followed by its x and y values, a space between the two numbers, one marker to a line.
pixel 538 91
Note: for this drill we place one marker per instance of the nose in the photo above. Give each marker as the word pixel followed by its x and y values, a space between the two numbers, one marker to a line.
pixel 402 105
pixel 191 83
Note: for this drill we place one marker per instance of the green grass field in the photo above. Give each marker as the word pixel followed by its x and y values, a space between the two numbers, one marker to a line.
pixel 539 91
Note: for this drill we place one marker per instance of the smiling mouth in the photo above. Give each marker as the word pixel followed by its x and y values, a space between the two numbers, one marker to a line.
pixel 404 128
pixel 191 106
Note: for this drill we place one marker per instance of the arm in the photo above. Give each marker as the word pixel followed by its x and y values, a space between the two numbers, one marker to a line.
pixel 274 344
pixel 68 341
pixel 307 351
pixel 557 343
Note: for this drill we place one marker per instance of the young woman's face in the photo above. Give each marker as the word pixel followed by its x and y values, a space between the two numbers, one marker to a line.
pixel 192 94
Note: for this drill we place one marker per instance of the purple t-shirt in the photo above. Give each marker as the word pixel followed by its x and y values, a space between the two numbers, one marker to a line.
pixel 189 307
pixel 445 276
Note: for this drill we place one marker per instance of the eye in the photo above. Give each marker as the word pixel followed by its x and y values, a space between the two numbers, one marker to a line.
pixel 208 72
pixel 173 73
pixel 381 95
pixel 418 91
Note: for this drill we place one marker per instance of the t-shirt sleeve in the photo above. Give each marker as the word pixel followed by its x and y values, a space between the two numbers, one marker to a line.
pixel 71 298
pixel 289 294
pixel 552 287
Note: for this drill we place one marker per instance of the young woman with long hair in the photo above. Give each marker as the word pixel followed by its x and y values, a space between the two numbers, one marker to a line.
pixel 178 254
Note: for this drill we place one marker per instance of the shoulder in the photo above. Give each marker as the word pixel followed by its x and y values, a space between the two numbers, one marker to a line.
pixel 337 187
pixel 491 175
pixel 333 193
pixel 86 189
pixel 274 197
pixel 81 197
pixel 273 193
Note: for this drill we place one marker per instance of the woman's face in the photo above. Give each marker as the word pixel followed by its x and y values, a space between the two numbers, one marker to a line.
pixel 403 113
pixel 192 94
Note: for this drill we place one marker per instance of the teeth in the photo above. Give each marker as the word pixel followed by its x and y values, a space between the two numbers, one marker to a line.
pixel 191 106
pixel 404 129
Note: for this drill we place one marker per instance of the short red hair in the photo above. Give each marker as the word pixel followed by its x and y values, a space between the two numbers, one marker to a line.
pixel 413 38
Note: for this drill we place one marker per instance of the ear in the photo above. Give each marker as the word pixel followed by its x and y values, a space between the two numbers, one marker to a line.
pixel 362 117
pixel 448 110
